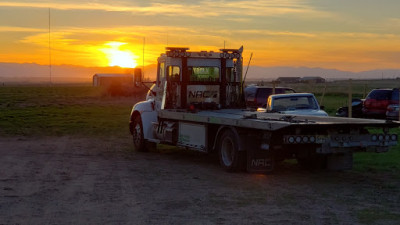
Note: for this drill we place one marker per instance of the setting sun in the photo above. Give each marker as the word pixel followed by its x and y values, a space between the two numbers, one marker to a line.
pixel 118 57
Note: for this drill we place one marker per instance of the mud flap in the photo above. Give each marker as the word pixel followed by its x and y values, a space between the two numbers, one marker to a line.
pixel 259 161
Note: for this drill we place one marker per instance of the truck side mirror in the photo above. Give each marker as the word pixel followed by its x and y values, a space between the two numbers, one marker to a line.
pixel 137 77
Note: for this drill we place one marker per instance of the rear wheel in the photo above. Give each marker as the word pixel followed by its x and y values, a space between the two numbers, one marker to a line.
pixel 228 149
pixel 137 135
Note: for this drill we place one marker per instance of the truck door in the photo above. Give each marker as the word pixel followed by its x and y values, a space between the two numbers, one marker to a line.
pixel 161 82
pixel 173 87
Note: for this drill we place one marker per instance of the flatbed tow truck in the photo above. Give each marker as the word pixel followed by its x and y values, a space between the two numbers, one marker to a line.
pixel 197 103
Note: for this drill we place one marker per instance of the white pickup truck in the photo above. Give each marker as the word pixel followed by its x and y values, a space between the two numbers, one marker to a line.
pixel 294 104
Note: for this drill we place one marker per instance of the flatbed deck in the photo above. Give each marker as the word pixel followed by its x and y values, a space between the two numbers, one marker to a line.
pixel 268 121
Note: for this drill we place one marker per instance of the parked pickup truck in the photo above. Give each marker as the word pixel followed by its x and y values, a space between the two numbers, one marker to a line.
pixel 256 96
pixel 294 103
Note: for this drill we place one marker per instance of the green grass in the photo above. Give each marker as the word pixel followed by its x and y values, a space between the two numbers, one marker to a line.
pixel 33 111
pixel 373 215
pixel 85 110
pixel 378 162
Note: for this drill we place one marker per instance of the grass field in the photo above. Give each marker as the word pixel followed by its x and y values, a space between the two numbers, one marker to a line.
pixel 87 111
pixel 81 110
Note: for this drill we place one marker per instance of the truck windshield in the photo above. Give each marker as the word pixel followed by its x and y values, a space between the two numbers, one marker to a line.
pixel 294 103
pixel 204 74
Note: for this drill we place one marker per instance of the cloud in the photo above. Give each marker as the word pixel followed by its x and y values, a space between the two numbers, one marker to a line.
pixel 66 6
pixel 20 29
pixel 197 9
pixel 271 33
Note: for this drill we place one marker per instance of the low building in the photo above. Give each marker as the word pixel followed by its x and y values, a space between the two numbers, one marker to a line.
pixel 288 80
pixel 107 80
pixel 312 80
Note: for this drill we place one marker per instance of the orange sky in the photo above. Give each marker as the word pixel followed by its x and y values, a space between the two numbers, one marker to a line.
pixel 350 35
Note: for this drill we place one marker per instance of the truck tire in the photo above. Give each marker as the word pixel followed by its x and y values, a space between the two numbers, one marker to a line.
pixel 231 159
pixel 137 135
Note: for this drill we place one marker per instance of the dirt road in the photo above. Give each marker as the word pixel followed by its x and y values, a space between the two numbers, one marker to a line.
pixel 69 180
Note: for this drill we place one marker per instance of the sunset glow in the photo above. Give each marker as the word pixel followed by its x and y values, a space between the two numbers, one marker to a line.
pixel 118 57
pixel 343 35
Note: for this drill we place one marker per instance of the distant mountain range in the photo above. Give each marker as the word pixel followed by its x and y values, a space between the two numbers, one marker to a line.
pixel 34 73
pixel 271 73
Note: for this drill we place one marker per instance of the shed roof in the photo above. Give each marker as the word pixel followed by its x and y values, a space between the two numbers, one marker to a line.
pixel 113 75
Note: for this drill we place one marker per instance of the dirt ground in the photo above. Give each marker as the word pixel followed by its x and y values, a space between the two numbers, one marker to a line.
pixel 70 180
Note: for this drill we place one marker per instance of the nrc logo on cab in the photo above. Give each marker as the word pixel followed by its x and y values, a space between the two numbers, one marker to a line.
pixel 203 94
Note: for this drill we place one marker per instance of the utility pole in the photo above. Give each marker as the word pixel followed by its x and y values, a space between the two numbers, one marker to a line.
pixel 350 105
pixel 144 43
pixel 49 50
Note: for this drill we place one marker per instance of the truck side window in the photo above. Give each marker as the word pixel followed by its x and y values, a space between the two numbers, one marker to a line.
pixel 204 74
pixel 229 75
pixel 174 73
pixel 161 73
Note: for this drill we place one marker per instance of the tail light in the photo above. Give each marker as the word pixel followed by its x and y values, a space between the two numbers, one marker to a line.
pixel 392 108
pixel 367 103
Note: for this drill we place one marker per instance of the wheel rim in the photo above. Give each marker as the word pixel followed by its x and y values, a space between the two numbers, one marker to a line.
pixel 137 134
pixel 227 151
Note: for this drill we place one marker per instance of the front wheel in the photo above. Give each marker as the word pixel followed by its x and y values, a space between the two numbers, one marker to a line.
pixel 228 149
pixel 137 135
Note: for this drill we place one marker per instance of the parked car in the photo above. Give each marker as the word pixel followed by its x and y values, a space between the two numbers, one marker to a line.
pixel 256 96
pixel 356 109
pixel 294 103
pixel 377 102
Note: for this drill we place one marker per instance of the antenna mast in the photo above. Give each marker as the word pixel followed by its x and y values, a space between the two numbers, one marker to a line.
pixel 144 43
pixel 49 50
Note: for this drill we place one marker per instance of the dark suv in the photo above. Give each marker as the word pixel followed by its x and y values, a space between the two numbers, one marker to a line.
pixel 256 96
pixel 377 102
